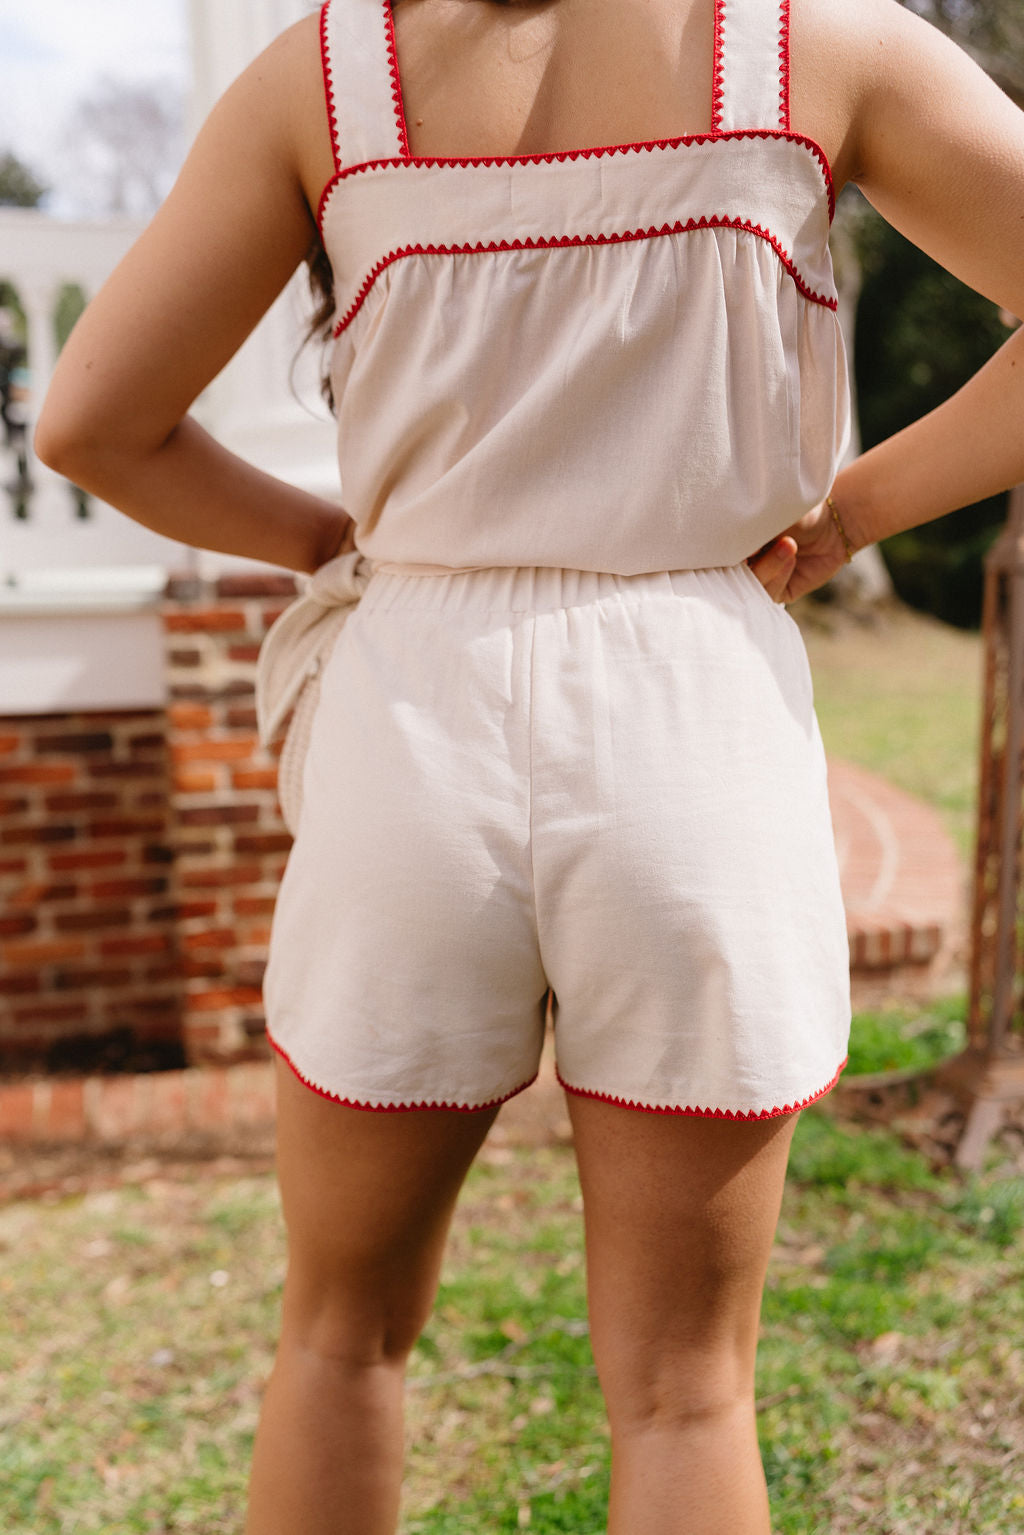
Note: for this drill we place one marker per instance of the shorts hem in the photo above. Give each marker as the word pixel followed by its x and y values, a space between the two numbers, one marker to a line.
pixel 692 1112
pixel 404 1107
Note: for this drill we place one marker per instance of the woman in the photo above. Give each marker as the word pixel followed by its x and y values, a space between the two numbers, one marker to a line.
pixel 565 741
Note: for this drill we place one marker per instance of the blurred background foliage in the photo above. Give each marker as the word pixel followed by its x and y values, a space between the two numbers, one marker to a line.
pixel 920 335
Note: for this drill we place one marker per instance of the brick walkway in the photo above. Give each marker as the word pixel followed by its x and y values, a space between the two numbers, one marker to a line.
pixel 905 888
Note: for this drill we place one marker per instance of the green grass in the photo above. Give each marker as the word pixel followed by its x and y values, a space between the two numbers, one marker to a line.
pixel 902 696
pixel 140 1322
pixel 902 1039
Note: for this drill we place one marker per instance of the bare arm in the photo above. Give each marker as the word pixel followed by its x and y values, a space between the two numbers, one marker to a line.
pixel 178 307
pixel 939 150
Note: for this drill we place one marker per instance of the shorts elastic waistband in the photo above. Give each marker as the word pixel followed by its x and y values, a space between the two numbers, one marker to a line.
pixel 533 588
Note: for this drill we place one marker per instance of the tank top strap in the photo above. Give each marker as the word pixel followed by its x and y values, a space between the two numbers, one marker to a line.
pixel 751 80
pixel 364 95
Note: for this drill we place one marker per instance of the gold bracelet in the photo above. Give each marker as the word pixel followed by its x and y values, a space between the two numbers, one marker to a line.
pixel 839 528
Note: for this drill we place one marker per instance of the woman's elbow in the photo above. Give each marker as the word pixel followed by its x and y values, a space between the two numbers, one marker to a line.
pixel 56 442
pixel 71 441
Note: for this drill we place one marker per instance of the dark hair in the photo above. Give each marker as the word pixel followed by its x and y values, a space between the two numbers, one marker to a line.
pixel 320 328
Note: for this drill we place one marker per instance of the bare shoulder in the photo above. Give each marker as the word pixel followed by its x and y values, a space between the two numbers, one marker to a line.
pixel 282 94
pixel 930 140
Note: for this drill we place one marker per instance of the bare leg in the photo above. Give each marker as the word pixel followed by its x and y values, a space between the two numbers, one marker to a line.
pixel 368 1199
pixel 680 1215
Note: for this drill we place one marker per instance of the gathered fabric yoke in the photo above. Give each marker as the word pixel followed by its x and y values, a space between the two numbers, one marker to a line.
pixel 622 358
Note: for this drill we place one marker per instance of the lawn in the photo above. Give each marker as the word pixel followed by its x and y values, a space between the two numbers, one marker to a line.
pixel 901 694
pixel 140 1320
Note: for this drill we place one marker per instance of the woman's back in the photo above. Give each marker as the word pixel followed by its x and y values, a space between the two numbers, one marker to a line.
pixel 619 358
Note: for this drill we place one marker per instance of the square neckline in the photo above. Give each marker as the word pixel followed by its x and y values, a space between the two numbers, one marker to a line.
pixel 406 159
pixel 537 156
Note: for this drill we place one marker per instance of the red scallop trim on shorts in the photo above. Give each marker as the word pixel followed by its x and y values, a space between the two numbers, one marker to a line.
pixel 784 67
pixel 325 60
pixel 566 242
pixel 468 162
pixel 396 81
pixel 695 1113
pixel 395 1108
pixel 718 70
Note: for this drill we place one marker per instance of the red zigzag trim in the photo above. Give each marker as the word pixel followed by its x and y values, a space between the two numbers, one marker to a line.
pixel 695 1113
pixel 469 161
pixel 718 73
pixel 784 66
pixel 567 241
pixel 325 58
pixel 395 1108
pixel 396 81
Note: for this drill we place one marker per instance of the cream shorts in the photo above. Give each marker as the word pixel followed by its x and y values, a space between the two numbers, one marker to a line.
pixel 612 786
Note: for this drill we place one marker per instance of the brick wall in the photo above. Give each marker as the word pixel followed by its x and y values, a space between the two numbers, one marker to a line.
pixel 140 854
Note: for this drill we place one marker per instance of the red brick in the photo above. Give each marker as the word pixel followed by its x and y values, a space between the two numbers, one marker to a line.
pixel 185 657
pixel 33 894
pixel 105 858
pixel 53 1012
pixel 248 653
pixel 190 716
pixel 149 741
pixel 218 879
pixel 91 978
pixel 91 921
pixel 197 968
pixel 219 815
pixel 168 1105
pixel 192 849
pixel 205 621
pixel 253 1094
pixel 135 769
pixel 13 865
pixel 61 804
pixel 189 781
pixel 116 1106
pixel 190 911
pixel 40 772
pixel 16 927
pixel 156 853
pixel 169 971
pixel 211 938
pixel 255 905
pixel 239 718
pixel 215 751
pixel 69 741
pixel 254 778
pixel 65 1119
pixel 228 996
pixel 34 836
pixel 268 842
pixel 254 937
pixel 127 826
pixel 124 948
pixel 211 1100
pixel 271 615
pixel 17 1111
pixel 14 806
pixel 115 888
pixel 19 985
pixel 50 952
pixel 9 744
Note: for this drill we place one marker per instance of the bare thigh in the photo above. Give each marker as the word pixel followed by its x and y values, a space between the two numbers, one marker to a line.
pixel 680 1218
pixel 367 1199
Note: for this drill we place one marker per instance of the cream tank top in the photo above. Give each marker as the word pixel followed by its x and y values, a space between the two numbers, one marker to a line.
pixel 621 358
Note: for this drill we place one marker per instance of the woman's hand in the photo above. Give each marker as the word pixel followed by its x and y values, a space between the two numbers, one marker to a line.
pixel 804 557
